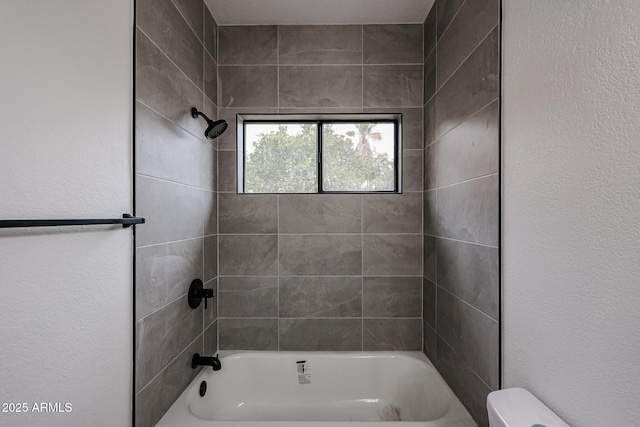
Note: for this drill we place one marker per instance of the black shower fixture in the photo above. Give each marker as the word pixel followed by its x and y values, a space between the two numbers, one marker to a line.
pixel 214 128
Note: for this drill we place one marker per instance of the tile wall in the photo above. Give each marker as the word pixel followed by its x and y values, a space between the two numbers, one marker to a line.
pixel 461 198
pixel 321 272
pixel 175 191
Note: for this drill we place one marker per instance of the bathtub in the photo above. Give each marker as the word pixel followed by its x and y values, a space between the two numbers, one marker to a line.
pixel 319 389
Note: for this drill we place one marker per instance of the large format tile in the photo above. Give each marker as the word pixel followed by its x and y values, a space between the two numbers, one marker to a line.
pixel 172 211
pixel 412 166
pixel 162 335
pixel 321 86
pixel 429 302
pixel 248 296
pixel 210 78
pixel 470 150
pixel 320 334
pixel 227 171
pixel 446 11
pixel 166 151
pixel 430 32
pixel 248 44
pixel 429 76
pixel 429 120
pixel 209 168
pixel 470 26
pixel 210 34
pixel 320 297
pixel 247 86
pixel 248 255
pixel 320 44
pixel 473 335
pixel 248 334
pixel 210 257
pixel 392 297
pixel 192 11
pixel 211 339
pixel 392 335
pixel 393 44
pixel 326 213
pixel 164 273
pixel 318 255
pixel 161 22
pixel 210 212
pixel 473 86
pixel 411 125
pixel 392 254
pixel 164 390
pixel 470 211
pixel 429 342
pixel 430 213
pixel 163 87
pixel 211 312
pixel 429 261
pixel 392 213
pixel 392 85
pixel 248 213
pixel 470 272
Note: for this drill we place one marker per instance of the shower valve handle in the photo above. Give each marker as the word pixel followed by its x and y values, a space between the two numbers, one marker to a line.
pixel 197 293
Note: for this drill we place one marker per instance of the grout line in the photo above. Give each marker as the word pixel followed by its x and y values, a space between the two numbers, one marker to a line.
pixel 466 119
pixel 462 241
pixel 172 182
pixel 198 137
pixel 321 234
pixel 161 308
pixel 362 65
pixel 466 181
pixel 169 242
pixel 362 269
pixel 464 362
pixel 328 277
pixel 187 22
pixel 353 64
pixel 468 304
pixel 453 18
pixel 324 318
pixel 278 267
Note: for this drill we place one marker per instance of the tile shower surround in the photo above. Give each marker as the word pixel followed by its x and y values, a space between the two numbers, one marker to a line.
pixel 461 199
pixel 321 272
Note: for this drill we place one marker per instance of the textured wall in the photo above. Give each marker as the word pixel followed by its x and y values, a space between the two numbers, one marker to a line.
pixel 571 207
pixel 65 293
pixel 175 191
pixel 321 272
pixel 461 202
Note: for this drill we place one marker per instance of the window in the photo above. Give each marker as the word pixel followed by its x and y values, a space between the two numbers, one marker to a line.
pixel 328 154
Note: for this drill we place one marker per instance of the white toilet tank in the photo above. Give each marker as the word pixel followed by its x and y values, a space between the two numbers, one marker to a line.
pixel 516 407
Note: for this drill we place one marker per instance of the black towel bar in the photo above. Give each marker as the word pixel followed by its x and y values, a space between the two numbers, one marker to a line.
pixel 126 221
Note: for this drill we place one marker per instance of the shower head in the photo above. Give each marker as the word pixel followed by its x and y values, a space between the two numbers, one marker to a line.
pixel 214 128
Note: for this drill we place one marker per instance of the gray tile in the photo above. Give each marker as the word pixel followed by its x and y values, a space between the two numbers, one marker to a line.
pixel 392 85
pixel 172 211
pixel 320 213
pixel 209 168
pixel 320 334
pixel 317 255
pixel 471 334
pixel 192 10
pixel 429 302
pixel 248 334
pixel 162 23
pixel 166 151
pixel 164 273
pixel 470 211
pixel 248 213
pixel 162 335
pixel 467 386
pixel 429 252
pixel 210 257
pixel 247 86
pixel 227 171
pixel 473 86
pixel 211 340
pixel 392 213
pixel 446 11
pixel 163 87
pixel 412 165
pixel 470 272
pixel 210 78
pixel 164 390
pixel 321 86
pixel 472 149
pixel 321 110
pixel 430 32
pixel 392 254
pixel 393 44
pixel 470 26
pixel 429 340
pixel 320 297
pixel 248 297
pixel 431 163
pixel 248 255
pixel 392 297
pixel 248 44
pixel 392 335
pixel 320 44
pixel 429 121
pixel 210 213
pixel 211 312
pixel 227 141
pixel 430 213
pixel 411 125
pixel 429 76
pixel 210 33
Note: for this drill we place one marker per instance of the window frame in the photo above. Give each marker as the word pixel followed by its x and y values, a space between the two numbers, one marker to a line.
pixel 320 120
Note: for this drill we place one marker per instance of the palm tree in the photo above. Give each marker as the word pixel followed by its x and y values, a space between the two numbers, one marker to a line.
pixel 364 133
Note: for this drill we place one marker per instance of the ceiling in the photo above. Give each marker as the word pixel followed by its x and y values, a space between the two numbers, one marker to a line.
pixel 269 12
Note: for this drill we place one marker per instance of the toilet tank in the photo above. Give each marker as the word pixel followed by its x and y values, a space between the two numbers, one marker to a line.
pixel 516 407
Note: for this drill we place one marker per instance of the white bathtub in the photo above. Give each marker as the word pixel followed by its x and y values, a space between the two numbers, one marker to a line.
pixel 268 389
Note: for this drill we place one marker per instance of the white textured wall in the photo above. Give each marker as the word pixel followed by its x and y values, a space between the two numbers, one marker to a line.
pixel 65 151
pixel 571 236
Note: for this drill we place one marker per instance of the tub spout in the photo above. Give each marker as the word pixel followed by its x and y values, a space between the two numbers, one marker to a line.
pixel 198 360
